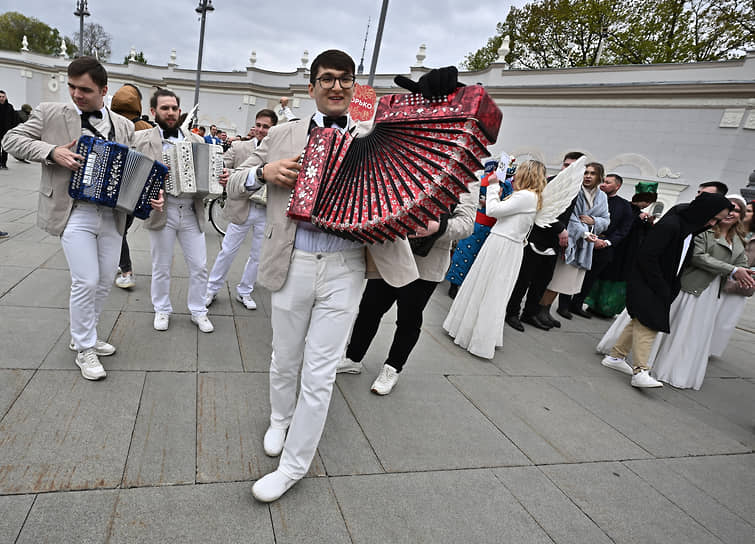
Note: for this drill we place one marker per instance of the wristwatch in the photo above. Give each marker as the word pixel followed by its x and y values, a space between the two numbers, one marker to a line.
pixel 259 174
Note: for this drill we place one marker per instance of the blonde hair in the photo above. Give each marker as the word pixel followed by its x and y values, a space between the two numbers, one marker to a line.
pixel 737 228
pixel 530 175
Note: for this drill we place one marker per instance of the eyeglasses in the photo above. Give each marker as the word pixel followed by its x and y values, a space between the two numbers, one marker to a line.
pixel 328 81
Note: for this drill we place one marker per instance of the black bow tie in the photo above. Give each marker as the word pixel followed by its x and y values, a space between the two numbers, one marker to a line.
pixel 85 115
pixel 168 132
pixel 341 121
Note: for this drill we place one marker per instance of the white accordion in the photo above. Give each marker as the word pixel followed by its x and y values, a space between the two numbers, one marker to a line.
pixel 195 169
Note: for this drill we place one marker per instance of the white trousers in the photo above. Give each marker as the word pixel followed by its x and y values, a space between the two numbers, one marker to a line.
pixel 182 225
pixel 234 237
pixel 92 246
pixel 312 315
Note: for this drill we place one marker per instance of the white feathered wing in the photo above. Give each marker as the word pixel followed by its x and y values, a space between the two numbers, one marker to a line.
pixel 559 193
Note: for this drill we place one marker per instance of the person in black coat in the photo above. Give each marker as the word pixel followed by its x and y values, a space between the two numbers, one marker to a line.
pixel 8 120
pixel 654 281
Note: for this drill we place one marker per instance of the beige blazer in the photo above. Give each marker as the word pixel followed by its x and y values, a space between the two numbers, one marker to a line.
pixel 394 260
pixel 434 265
pixel 52 124
pixel 150 142
pixel 236 208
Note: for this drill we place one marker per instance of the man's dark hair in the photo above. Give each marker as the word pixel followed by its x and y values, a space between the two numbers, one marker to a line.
pixel 573 155
pixel 599 168
pixel 213 126
pixel 162 92
pixel 91 66
pixel 267 113
pixel 617 177
pixel 3 92
pixel 721 187
pixel 332 58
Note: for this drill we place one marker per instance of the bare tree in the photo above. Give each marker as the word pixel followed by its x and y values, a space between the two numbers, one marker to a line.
pixel 96 41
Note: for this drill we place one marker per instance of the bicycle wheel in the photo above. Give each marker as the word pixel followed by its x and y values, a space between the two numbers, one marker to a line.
pixel 215 212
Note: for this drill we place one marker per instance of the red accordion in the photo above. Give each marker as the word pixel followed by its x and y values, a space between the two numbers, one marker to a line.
pixel 410 169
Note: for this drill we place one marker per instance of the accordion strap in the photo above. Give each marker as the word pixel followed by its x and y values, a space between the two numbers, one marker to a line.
pixel 85 123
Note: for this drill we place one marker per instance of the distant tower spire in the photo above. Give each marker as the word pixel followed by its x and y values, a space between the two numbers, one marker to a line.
pixel 360 70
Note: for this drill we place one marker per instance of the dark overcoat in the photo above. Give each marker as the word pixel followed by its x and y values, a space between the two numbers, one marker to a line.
pixel 654 281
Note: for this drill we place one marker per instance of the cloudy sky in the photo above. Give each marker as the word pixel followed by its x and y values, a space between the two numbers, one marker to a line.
pixel 280 31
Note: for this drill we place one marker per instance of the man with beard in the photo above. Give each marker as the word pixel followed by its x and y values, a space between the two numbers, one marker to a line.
pixel 315 278
pixel 655 282
pixel 244 213
pixel 90 233
pixel 183 219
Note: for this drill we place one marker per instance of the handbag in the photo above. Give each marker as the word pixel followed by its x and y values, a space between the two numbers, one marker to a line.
pixel 732 287
pixel 260 196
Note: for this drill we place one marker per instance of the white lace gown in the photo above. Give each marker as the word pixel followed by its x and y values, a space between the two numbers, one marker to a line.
pixel 477 314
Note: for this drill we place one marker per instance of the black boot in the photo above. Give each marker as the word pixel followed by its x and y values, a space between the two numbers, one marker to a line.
pixel 452 290
pixel 576 308
pixel 545 316
pixel 513 322
pixel 536 321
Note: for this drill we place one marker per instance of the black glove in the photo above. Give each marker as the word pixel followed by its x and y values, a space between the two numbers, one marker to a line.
pixel 435 83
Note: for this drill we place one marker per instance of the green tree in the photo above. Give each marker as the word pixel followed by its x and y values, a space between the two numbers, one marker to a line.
pixel 565 33
pixel 42 38
pixel 139 57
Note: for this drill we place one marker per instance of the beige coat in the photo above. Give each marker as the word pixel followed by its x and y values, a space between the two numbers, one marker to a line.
pixel 236 208
pixel 150 143
pixel 50 125
pixel 394 260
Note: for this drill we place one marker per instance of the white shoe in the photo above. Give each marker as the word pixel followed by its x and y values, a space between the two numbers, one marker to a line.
pixel 247 301
pixel 209 298
pixel 617 363
pixel 90 365
pixel 101 348
pixel 125 281
pixel 162 320
pixel 271 487
pixel 274 441
pixel 386 380
pixel 644 379
pixel 203 322
pixel 347 366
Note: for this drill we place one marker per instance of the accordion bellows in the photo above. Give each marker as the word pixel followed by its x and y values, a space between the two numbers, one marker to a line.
pixel 410 169
pixel 114 175
pixel 195 169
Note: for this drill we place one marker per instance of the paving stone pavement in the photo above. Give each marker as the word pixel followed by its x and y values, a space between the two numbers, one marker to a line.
pixel 541 444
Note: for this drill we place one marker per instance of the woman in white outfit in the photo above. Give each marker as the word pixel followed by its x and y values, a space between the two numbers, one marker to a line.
pixel 477 314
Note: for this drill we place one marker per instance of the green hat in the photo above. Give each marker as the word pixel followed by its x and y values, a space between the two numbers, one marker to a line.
pixel 645 191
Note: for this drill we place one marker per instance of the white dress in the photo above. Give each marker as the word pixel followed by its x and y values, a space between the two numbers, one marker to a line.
pixel 477 314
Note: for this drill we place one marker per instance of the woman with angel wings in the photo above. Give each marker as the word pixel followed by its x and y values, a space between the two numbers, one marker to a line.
pixel 477 314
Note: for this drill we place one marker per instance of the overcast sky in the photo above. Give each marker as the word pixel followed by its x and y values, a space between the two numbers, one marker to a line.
pixel 280 31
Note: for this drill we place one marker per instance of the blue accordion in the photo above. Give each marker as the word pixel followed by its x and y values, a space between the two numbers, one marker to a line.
pixel 114 175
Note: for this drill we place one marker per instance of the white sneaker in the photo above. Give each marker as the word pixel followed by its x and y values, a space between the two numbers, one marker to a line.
pixel 274 441
pixel 617 363
pixel 271 487
pixel 101 348
pixel 90 365
pixel 203 322
pixel 347 366
pixel 386 381
pixel 644 379
pixel 209 298
pixel 162 320
pixel 125 281
pixel 247 301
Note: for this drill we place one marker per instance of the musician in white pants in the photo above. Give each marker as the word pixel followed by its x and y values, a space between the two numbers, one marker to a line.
pixel 244 214
pixel 182 220
pixel 90 233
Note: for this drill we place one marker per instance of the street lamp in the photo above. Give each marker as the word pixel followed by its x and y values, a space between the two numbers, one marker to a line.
pixel 81 12
pixel 203 7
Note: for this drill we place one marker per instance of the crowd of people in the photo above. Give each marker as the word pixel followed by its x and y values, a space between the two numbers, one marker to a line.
pixel 515 233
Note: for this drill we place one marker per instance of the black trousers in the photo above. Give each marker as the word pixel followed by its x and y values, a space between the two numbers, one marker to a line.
pixel 535 274
pixel 601 258
pixel 125 263
pixel 3 157
pixel 377 299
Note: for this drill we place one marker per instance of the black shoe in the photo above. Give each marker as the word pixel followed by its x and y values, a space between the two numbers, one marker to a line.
pixel 536 322
pixel 513 322
pixel 452 290
pixel 577 310
pixel 564 312
pixel 545 316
